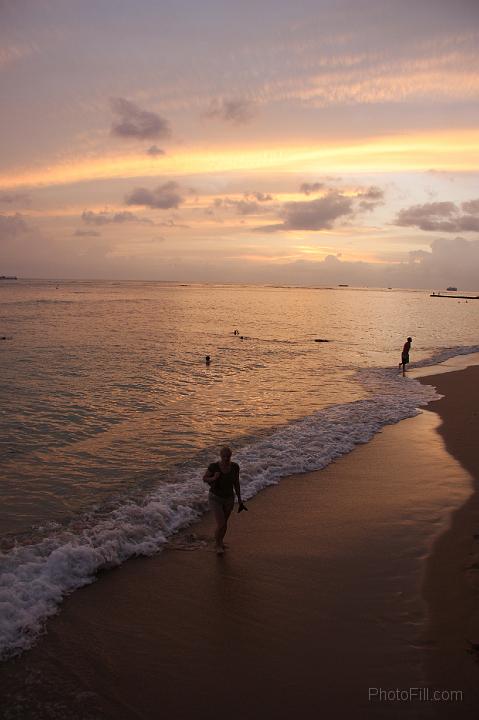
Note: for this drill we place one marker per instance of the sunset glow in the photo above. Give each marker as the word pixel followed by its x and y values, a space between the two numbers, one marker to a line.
pixel 337 123
pixel 442 151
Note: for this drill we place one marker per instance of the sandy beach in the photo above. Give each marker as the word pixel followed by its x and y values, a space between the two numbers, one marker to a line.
pixel 336 584
pixel 451 586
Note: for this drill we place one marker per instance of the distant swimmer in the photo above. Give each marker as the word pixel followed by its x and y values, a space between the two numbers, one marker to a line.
pixel 235 332
pixel 208 360
pixel 405 355
pixel 223 479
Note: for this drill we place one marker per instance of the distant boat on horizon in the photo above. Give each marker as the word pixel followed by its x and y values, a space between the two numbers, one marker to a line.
pixel 451 288
pixel 8 277
pixel 342 285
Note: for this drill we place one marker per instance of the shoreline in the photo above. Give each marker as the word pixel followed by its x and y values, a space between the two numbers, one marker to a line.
pixel 319 594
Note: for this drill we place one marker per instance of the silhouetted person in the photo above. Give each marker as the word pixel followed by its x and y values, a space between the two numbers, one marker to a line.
pixel 405 355
pixel 208 360
pixel 223 479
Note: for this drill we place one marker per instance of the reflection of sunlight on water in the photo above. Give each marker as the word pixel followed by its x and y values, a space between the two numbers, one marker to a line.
pixel 106 385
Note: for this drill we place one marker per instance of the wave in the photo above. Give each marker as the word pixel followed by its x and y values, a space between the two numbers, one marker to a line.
pixel 446 353
pixel 35 577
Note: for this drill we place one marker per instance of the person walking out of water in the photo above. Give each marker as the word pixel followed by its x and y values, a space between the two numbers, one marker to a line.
pixel 405 355
pixel 223 479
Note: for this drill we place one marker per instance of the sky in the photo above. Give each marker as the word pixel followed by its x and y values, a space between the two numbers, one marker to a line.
pixel 308 143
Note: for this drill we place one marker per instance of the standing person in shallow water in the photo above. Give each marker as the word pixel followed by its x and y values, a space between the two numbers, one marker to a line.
pixel 405 355
pixel 223 479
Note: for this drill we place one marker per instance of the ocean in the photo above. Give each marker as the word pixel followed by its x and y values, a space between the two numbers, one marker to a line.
pixel 109 414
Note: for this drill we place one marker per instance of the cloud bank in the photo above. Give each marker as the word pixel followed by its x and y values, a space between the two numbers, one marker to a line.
pixel 259 196
pixel 308 188
pixel 319 214
pixel 441 216
pixel 237 111
pixel 12 225
pixel 155 151
pixel 133 122
pixel 449 261
pixel 163 197
pixel 106 218
pixel 322 213
pixel 86 233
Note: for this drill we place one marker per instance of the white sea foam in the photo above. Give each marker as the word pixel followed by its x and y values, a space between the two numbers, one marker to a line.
pixel 35 577
pixel 446 353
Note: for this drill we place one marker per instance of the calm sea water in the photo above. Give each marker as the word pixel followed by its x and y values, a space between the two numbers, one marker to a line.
pixel 109 413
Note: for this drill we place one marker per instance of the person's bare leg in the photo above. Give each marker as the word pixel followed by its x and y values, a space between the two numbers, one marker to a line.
pixel 226 513
pixel 220 520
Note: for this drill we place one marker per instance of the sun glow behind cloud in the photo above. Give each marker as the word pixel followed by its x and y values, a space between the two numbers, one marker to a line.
pixel 457 151
pixel 218 139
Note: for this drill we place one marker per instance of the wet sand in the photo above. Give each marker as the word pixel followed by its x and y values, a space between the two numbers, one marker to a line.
pixel 335 582
pixel 451 586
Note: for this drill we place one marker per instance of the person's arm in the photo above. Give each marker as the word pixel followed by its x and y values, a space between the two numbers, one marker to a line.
pixel 237 487
pixel 209 477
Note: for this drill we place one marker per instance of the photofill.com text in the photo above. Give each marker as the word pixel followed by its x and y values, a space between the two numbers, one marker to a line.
pixel 413 694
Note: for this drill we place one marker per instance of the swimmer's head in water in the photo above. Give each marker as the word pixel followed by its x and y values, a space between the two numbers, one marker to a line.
pixel 225 453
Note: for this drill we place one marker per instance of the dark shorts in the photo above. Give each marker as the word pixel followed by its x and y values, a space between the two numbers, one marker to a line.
pixel 216 502
pixel 404 359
